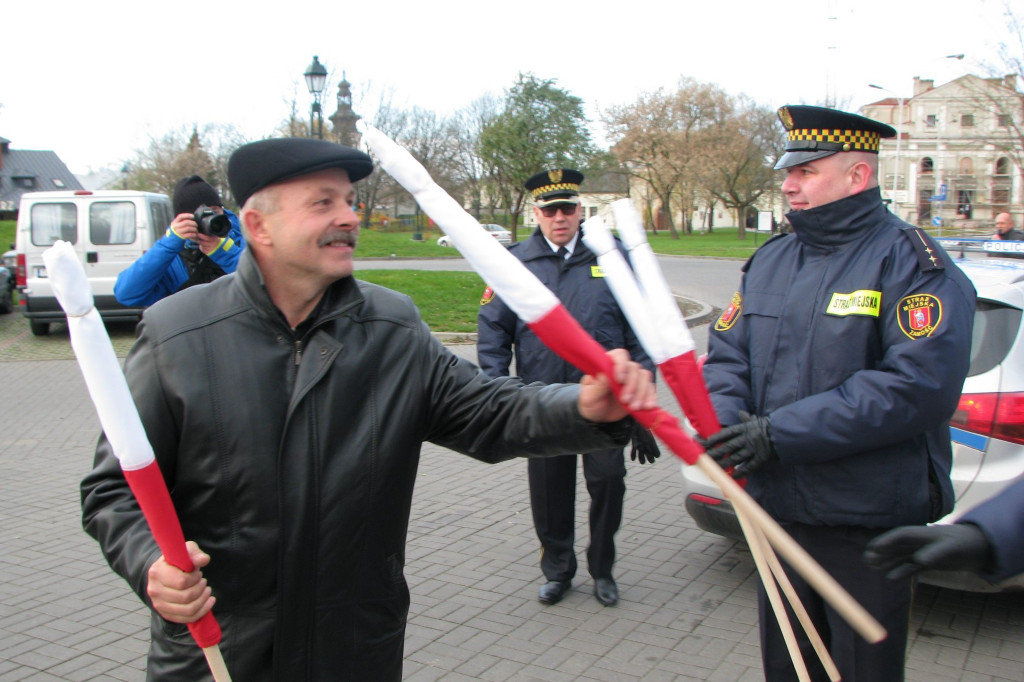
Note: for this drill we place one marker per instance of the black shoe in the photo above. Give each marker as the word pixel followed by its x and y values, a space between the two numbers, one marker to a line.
pixel 552 592
pixel 606 591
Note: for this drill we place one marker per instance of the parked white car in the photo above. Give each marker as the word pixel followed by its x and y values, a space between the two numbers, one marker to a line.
pixel 987 430
pixel 497 231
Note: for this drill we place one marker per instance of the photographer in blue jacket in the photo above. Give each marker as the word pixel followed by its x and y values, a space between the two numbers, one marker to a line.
pixel 202 243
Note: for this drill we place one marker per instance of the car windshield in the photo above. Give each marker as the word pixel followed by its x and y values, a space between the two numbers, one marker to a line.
pixel 995 330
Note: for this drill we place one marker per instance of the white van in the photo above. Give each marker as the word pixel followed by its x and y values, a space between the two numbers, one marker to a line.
pixel 109 229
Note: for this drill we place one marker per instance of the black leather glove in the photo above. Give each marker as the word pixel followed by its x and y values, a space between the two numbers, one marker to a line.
pixel 746 446
pixel 910 549
pixel 644 446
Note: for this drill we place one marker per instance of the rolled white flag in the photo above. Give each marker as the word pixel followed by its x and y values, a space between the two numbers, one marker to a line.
pixel 518 288
pixel 598 238
pixel 672 326
pixel 96 358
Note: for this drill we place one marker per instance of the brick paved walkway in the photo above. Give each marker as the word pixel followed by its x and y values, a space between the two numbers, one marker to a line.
pixel 687 611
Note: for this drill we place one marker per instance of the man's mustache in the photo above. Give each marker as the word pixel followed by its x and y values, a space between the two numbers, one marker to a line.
pixel 347 237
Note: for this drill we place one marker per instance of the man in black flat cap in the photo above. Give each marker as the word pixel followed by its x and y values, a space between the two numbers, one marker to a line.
pixel 835 370
pixel 287 406
pixel 556 255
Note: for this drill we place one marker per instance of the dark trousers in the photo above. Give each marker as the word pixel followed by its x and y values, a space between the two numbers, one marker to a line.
pixel 839 550
pixel 553 501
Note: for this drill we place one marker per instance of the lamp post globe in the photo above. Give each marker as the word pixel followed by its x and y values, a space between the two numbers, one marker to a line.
pixel 316 80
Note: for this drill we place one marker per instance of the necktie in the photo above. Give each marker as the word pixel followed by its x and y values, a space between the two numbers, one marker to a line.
pixel 562 251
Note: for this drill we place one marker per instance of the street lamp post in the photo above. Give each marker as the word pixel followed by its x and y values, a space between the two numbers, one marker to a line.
pixel 316 80
pixel 899 141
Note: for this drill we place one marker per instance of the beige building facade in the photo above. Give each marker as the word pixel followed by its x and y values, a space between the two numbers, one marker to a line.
pixel 957 158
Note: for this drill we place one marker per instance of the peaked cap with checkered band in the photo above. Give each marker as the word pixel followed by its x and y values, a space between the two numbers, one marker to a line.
pixel 816 132
pixel 555 186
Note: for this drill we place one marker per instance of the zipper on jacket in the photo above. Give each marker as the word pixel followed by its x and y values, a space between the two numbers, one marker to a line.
pixel 298 352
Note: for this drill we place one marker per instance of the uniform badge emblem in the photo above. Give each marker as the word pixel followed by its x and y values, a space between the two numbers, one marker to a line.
pixel 596 271
pixel 729 316
pixel 919 315
pixel 555 175
pixel 786 118
pixel 487 297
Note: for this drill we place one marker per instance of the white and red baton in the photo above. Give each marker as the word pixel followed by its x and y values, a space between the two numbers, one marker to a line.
pixel 123 427
pixel 519 288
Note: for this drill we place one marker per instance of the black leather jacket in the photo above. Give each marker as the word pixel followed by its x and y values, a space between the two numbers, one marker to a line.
pixel 291 460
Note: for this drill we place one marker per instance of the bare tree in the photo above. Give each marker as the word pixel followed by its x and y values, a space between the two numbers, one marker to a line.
pixel 667 140
pixel 181 153
pixel 470 172
pixel 740 170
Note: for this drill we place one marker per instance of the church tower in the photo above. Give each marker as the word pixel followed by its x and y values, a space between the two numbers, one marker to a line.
pixel 344 119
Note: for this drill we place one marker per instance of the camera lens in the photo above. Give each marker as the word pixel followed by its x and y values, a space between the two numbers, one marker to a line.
pixel 212 223
pixel 218 225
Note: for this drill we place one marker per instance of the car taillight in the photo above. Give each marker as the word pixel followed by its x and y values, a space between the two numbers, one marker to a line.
pixel 21 274
pixel 997 415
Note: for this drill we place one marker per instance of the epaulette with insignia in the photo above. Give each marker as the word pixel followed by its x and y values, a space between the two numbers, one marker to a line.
pixel 778 235
pixel 929 255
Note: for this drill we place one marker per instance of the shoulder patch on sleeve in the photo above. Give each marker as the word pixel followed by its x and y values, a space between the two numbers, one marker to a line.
pixel 729 316
pixel 487 296
pixel 929 254
pixel 919 315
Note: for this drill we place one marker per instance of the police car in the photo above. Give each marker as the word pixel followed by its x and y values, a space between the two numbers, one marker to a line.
pixel 987 429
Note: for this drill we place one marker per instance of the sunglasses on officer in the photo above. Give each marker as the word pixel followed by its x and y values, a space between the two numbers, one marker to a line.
pixel 566 209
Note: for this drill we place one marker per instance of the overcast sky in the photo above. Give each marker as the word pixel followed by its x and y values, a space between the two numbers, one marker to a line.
pixel 95 81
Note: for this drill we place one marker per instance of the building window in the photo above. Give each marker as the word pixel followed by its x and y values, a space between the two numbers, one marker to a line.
pixel 930 120
pixel 927 167
pixel 967 120
pixel 1001 185
pixel 1004 120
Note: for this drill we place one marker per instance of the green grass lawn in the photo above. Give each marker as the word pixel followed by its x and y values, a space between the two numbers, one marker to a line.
pixel 448 301
pixel 722 243
pixel 6 234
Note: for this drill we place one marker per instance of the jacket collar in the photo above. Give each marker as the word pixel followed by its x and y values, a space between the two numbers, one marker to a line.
pixel 340 295
pixel 841 221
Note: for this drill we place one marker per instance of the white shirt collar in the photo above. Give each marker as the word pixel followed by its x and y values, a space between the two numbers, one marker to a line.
pixel 570 247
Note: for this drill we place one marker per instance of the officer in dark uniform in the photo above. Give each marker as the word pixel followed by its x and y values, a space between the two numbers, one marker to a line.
pixel 557 256
pixel 835 370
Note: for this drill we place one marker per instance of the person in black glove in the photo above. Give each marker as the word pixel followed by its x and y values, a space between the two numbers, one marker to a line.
pixel 908 550
pixel 643 445
pixel 835 369
pixel 746 447
pixel 556 254
pixel 988 540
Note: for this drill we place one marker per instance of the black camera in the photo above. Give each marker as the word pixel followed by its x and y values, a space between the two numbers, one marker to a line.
pixel 211 223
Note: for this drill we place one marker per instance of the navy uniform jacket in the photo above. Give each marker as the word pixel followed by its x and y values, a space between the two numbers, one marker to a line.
pixel 581 288
pixel 853 333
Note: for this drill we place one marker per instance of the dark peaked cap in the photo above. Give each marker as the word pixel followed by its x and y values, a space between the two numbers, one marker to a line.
pixel 555 186
pixel 816 132
pixel 260 164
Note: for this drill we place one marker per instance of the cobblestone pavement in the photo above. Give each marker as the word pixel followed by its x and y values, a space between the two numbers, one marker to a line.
pixel 688 598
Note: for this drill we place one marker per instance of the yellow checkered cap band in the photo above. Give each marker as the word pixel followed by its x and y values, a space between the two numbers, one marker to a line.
pixel 560 187
pixel 826 138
